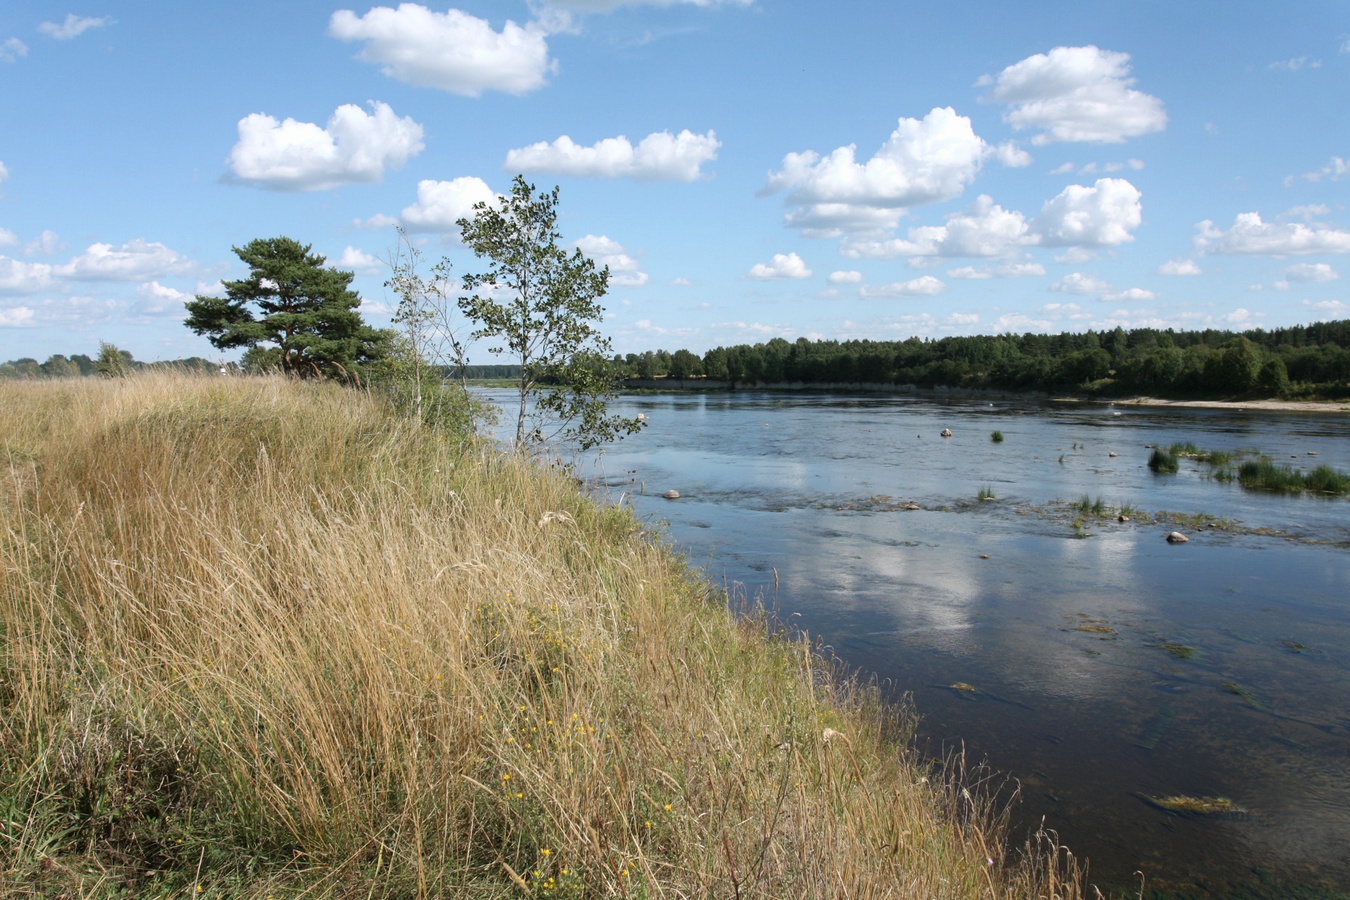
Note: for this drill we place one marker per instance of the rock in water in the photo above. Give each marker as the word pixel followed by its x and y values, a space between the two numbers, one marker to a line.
pixel 671 495
pixel 1177 537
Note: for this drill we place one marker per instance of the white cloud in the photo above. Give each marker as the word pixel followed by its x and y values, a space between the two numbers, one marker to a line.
pixel 12 50
pixel 379 220
pixel 452 51
pixel 8 238
pixel 923 286
pixel 1311 272
pixel 1330 307
pixel 923 160
pixel 985 230
pixel 660 156
pixel 1129 294
pixel 137 260
pixel 1298 62
pixel 1077 94
pixel 16 317
pixel 1011 155
pixel 1100 216
pixel 25 278
pixel 4 176
pixel 783 265
pixel 624 270
pixel 441 204
pixel 1307 273
pixel 1179 267
pixel 301 156
pixel 1007 270
pixel 1307 212
pixel 44 244
pixel 356 260
pixel 845 277
pixel 1249 235
pixel 1078 283
pixel 1332 170
pixel 72 27
pixel 157 300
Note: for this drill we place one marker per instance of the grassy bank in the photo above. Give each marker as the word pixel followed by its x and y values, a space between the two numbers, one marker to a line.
pixel 262 639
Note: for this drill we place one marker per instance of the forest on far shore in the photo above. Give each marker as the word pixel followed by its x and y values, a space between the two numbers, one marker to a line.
pixel 1307 361
pixel 1300 362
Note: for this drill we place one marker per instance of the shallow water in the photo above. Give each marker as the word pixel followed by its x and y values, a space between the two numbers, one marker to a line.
pixel 1107 668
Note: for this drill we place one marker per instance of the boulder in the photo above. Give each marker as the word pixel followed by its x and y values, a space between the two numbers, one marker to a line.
pixel 671 495
pixel 1177 537
pixel 946 432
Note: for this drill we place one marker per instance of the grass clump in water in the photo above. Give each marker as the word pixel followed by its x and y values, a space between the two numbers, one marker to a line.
pixel 261 637
pixel 1264 475
pixel 987 493
pixel 996 437
pixel 1163 461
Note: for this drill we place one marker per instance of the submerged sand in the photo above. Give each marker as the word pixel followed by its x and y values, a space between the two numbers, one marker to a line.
pixel 1318 406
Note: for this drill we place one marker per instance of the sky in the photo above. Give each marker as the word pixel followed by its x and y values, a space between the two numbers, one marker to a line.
pixel 747 169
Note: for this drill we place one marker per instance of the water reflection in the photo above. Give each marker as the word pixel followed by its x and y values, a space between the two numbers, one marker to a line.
pixel 1107 668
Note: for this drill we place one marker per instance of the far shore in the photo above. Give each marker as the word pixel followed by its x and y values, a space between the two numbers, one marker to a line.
pixel 1269 405
pixel 1320 406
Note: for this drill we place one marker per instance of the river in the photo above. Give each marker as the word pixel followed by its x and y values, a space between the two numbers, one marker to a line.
pixel 1095 663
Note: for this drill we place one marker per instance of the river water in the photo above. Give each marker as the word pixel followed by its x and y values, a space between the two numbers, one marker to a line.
pixel 1089 659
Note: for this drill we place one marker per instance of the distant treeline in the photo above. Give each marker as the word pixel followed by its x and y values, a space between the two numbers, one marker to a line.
pixel 1303 361
pixel 59 365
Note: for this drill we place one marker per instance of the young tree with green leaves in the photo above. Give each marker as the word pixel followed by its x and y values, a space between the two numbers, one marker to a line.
pixel 291 303
pixel 541 307
pixel 428 362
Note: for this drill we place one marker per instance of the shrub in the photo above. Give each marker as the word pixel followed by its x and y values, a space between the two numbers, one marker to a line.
pixel 996 437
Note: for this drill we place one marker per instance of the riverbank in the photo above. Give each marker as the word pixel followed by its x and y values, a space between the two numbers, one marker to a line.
pixel 262 638
pixel 1317 406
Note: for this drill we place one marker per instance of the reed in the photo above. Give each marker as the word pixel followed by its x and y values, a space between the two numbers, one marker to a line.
pixel 265 638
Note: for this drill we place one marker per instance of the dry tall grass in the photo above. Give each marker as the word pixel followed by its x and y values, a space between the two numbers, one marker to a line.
pixel 264 639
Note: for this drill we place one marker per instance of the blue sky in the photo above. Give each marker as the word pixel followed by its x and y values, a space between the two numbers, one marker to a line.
pixel 748 169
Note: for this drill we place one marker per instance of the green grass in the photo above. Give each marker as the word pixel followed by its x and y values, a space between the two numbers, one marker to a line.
pixel 1163 461
pixel 263 638
pixel 996 437
pixel 987 493
pixel 1264 475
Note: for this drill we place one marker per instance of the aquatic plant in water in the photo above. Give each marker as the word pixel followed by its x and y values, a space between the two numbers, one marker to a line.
pixel 1163 461
pixel 1200 806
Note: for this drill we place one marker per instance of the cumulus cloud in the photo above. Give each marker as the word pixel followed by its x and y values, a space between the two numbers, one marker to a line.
pixel 1332 171
pixel 155 299
pixel 16 317
pixel 660 156
pixel 137 260
pixel 8 238
pixel 12 50
pixel 1296 63
pixel 849 277
pixel 44 244
pixel 1179 267
pixel 1007 270
pixel 25 278
pixel 985 230
pixel 441 204
pixel 1083 285
pixel 452 51
pixel 924 160
pixel 1306 273
pixel 783 265
pixel 1099 216
pixel 923 286
pixel 1129 294
pixel 73 26
pixel 355 147
pixel 624 270
pixel 1076 94
pixel 1250 236
pixel 356 260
